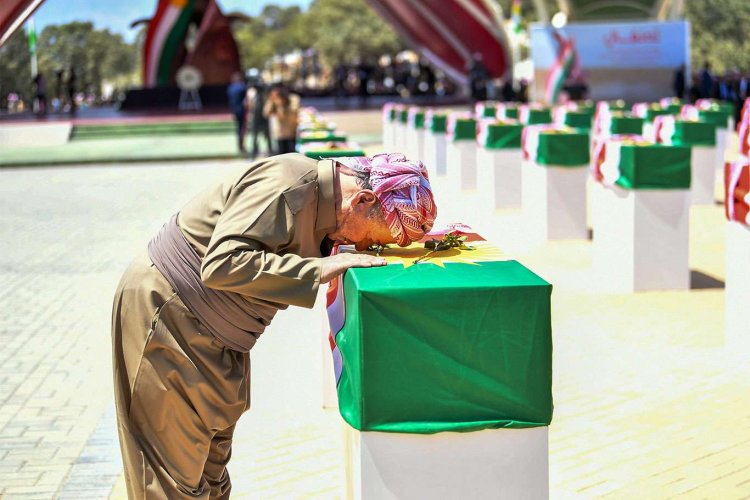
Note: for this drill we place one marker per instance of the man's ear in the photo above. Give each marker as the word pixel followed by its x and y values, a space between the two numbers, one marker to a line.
pixel 366 197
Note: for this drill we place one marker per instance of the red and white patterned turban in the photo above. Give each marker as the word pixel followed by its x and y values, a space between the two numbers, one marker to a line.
pixel 404 191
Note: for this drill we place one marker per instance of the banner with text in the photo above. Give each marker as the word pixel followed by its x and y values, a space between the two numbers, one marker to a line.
pixel 635 61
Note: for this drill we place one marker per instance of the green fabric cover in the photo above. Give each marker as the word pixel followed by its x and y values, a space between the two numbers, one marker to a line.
pixel 428 349
pixel 404 116
pixel 687 133
pixel 418 120
pixel 626 125
pixel 565 149
pixel 579 119
pixel 306 137
pixel 652 113
pixel 465 129
pixel 489 110
pixel 716 116
pixel 511 112
pixel 392 114
pixel 335 153
pixel 656 166
pixel 503 136
pixel 673 109
pixel 438 124
pixel 539 117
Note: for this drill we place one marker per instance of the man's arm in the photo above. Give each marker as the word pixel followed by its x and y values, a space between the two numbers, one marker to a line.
pixel 240 257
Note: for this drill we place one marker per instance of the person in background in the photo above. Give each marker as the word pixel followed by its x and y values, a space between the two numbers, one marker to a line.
pixel 285 110
pixel 236 98
pixel 71 90
pixel 707 81
pixel 478 78
pixel 255 100
pixel 40 94
pixel 679 82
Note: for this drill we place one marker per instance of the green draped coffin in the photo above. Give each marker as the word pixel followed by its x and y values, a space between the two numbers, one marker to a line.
pixel 457 346
pixel 643 165
pixel 500 135
pixel 557 147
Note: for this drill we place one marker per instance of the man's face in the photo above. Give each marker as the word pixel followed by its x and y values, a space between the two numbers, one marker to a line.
pixel 361 225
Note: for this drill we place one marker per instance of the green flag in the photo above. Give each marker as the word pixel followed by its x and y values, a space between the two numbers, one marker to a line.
pixel 32 36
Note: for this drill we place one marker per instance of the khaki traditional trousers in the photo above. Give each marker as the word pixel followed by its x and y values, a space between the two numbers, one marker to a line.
pixel 178 392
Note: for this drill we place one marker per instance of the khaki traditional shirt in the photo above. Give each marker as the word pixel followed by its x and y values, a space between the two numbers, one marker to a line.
pixel 261 232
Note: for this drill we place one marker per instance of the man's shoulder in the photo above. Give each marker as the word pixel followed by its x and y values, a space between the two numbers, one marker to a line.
pixel 281 171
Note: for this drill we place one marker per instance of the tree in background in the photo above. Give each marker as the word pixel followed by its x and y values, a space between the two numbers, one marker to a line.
pixel 96 55
pixel 719 33
pixel 15 68
pixel 345 30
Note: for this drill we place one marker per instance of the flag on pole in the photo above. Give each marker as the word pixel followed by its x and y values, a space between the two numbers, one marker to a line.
pixel 31 33
pixel 515 15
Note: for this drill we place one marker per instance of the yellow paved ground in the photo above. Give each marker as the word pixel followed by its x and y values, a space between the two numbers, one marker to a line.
pixel 648 403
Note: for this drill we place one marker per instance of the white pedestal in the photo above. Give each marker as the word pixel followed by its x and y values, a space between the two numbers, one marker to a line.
pixel 497 463
pixel 554 202
pixel 702 175
pixel 461 165
pixel 737 289
pixel 389 135
pixel 415 144
pixel 722 139
pixel 641 238
pixel 399 138
pixel 649 131
pixel 435 145
pixel 499 178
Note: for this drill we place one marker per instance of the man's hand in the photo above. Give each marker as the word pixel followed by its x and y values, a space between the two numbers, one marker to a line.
pixel 337 264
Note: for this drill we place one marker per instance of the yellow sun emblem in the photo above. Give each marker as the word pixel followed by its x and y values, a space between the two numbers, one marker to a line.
pixel 482 251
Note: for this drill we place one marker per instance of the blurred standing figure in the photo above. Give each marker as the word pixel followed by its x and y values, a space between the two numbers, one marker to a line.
pixel 364 72
pixel 341 75
pixel 679 82
pixel 478 76
pixel 40 94
pixel 236 98
pixel 286 112
pixel 255 101
pixel 71 90
pixel 707 81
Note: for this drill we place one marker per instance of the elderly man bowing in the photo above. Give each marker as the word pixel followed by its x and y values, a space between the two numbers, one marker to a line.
pixel 188 311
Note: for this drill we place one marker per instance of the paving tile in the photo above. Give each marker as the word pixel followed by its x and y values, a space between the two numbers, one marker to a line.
pixel 648 403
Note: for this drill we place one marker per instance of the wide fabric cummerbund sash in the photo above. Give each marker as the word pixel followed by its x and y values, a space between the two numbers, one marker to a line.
pixel 226 315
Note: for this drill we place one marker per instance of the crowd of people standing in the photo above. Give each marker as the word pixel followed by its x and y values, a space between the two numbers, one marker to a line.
pixel 264 112
pixel 733 86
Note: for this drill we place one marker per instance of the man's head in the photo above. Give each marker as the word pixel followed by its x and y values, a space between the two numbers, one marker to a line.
pixel 381 200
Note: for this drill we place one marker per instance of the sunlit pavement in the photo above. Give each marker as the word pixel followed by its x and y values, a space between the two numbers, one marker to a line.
pixel 648 403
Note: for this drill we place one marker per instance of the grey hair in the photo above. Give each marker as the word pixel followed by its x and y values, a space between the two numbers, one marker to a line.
pixel 360 172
